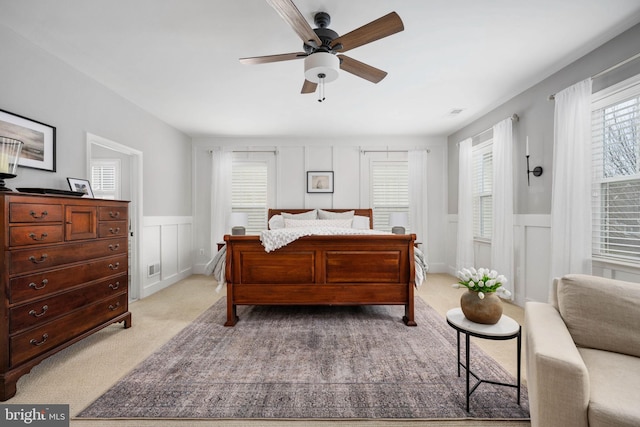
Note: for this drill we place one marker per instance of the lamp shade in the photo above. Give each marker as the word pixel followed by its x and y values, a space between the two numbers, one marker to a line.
pixel 238 219
pixel 400 219
pixel 321 65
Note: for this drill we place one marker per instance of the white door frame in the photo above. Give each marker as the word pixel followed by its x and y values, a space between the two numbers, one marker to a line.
pixel 135 209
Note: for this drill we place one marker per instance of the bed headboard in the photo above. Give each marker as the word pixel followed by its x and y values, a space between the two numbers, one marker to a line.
pixel 360 212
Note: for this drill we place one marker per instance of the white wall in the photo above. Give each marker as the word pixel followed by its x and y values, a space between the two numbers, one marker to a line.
pixel 168 243
pixel 296 156
pixel 532 204
pixel 39 86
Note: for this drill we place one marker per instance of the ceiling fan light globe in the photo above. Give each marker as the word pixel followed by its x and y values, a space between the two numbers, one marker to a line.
pixel 321 63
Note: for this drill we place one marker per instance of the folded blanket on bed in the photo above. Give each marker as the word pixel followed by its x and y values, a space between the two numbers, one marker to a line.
pixel 275 239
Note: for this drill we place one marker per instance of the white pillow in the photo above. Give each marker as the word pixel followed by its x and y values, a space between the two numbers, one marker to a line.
pixel 296 223
pixel 276 222
pixel 305 215
pixel 322 214
pixel 360 222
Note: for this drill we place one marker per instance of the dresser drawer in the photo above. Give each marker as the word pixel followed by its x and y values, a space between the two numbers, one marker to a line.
pixel 35 234
pixel 31 343
pixel 40 285
pixel 39 258
pixel 43 310
pixel 112 229
pixel 34 212
pixel 112 213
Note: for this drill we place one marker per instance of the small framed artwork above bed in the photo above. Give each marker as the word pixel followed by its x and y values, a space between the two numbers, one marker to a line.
pixel 320 182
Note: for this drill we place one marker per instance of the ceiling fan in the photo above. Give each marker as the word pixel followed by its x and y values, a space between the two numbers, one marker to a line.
pixel 323 48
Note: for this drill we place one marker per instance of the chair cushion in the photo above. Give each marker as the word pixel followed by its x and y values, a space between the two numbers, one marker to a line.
pixel 614 388
pixel 601 313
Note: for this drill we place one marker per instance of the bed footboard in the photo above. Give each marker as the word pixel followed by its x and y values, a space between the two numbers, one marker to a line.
pixel 322 270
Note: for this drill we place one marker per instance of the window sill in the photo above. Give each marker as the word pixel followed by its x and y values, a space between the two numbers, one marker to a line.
pixel 612 263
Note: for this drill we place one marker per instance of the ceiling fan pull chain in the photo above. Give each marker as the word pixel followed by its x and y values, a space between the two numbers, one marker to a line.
pixel 321 77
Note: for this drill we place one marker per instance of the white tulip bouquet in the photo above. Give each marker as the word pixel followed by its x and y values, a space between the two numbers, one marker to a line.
pixel 482 281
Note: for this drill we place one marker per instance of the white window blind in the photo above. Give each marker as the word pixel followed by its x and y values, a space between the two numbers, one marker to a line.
pixel 105 177
pixel 482 190
pixel 389 191
pixel 249 192
pixel 616 175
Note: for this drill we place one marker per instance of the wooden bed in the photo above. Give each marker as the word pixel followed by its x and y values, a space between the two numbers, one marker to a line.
pixel 322 270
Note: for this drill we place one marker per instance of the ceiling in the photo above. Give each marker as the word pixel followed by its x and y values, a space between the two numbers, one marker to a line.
pixel 178 59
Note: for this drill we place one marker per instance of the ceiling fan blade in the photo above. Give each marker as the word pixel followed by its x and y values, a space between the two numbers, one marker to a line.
pixel 290 13
pixel 361 69
pixel 308 87
pixel 272 58
pixel 374 30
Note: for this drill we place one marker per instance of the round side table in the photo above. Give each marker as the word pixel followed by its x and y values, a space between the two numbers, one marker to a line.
pixel 505 329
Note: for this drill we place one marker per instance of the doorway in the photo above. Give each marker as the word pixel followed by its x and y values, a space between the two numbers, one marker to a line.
pixel 101 151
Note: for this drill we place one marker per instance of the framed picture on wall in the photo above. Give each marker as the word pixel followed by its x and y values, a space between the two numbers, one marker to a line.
pixel 320 182
pixel 39 149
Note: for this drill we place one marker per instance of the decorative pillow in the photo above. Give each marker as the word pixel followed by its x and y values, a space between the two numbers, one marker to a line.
pixel 360 222
pixel 276 222
pixel 322 214
pixel 305 215
pixel 296 223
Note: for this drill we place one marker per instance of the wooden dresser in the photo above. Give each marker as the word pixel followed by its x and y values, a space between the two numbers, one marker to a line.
pixel 64 275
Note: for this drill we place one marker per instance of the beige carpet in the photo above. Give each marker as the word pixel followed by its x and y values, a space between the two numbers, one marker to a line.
pixel 81 373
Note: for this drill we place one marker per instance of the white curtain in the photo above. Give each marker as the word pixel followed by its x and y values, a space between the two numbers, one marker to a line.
pixel 464 247
pixel 418 195
pixel 221 164
pixel 571 190
pixel 502 259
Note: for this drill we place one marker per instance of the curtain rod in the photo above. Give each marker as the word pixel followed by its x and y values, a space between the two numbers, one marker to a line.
pixel 388 151
pixel 607 71
pixel 514 118
pixel 247 151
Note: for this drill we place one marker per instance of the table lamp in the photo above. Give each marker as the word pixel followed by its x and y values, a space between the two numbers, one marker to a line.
pixel 398 222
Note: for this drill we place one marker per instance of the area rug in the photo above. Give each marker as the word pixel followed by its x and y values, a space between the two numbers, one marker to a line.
pixel 311 362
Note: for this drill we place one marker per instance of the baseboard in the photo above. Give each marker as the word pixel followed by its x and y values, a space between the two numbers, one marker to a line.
pixel 165 282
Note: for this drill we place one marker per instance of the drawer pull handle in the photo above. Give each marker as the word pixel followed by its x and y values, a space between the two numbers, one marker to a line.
pixel 114 214
pixel 44 310
pixel 114 230
pixel 38 239
pixel 114 267
pixel 35 216
pixel 36 287
pixel 38 261
pixel 114 286
pixel 113 307
pixel 114 247
pixel 42 341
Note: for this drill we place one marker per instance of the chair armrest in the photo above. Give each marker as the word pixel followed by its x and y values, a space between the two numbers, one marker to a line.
pixel 557 378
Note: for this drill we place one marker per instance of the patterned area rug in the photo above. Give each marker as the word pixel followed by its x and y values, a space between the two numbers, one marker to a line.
pixel 310 362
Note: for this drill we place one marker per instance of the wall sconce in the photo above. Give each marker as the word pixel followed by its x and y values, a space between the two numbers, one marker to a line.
pixel 537 171
pixel 398 222
pixel 238 221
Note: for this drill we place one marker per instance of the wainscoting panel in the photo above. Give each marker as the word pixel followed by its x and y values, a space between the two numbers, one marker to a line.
pixel 167 252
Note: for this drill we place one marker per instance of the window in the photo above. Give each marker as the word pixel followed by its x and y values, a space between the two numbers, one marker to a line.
pixel 616 172
pixel 105 178
pixel 389 191
pixel 253 187
pixel 482 190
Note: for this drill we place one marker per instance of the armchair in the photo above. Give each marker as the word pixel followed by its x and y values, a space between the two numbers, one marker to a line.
pixel 583 354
